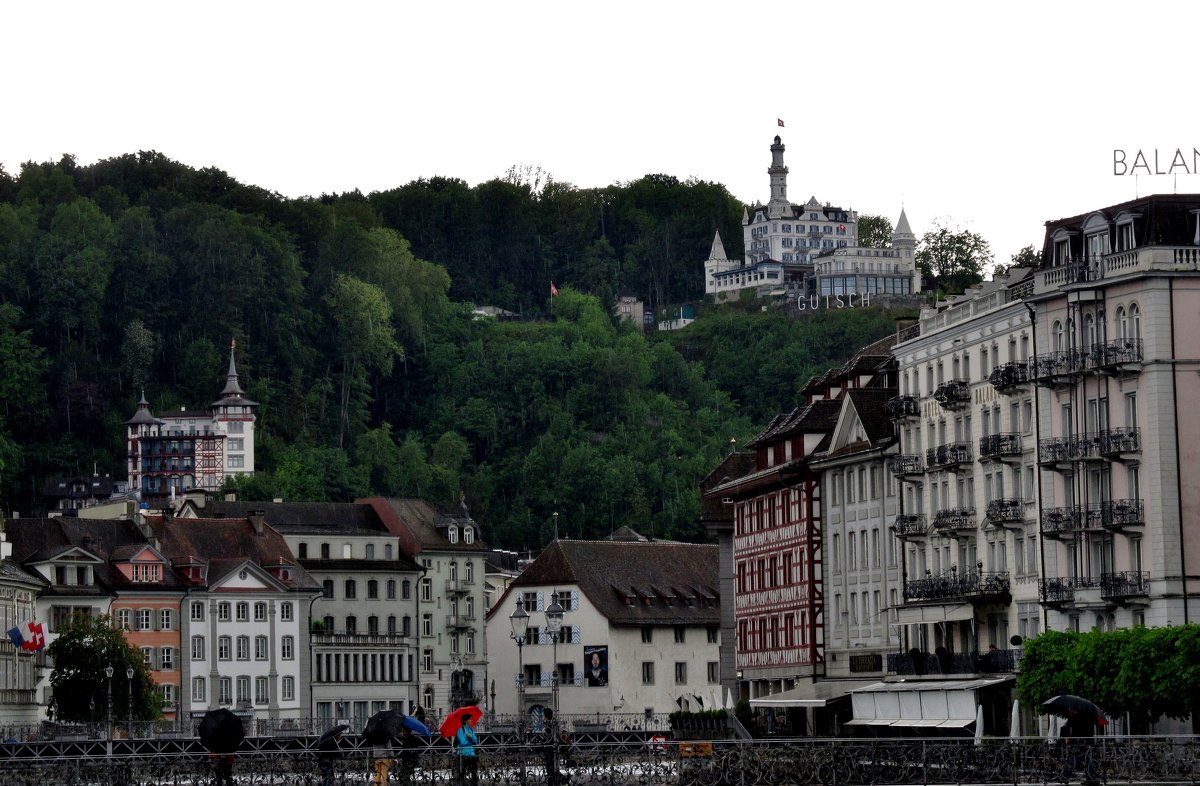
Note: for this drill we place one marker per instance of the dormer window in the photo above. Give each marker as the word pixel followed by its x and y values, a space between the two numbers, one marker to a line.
pixel 452 534
pixel 468 534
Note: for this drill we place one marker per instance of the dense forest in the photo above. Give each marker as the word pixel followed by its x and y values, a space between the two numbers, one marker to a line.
pixel 353 320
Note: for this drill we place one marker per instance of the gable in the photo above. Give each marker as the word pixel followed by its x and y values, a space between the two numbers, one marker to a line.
pixel 246 577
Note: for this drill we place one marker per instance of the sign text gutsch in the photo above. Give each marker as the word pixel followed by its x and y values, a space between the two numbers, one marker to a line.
pixel 1155 162
pixel 846 300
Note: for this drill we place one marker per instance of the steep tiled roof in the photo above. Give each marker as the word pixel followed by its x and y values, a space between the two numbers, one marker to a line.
pixel 422 525
pixel 305 517
pixel 633 583
pixel 869 404
pixel 226 544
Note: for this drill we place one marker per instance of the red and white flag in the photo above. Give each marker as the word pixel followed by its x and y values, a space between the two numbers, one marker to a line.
pixel 553 290
pixel 780 122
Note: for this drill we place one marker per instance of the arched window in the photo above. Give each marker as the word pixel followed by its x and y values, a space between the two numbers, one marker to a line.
pixel 372 589
pixel 452 534
pixel 327 588
pixel 391 623
pixel 428 696
pixel 328 624
pixel 469 534
pixel 453 570
pixel 1071 332
pixel 370 551
pixel 387 550
pixel 372 624
pixel 351 624
pixel 1058 337
pixel 1089 330
pixel 351 589
pixel 406 629
pixel 1135 321
pixel 406 590
pixel 391 589
pixel 1122 323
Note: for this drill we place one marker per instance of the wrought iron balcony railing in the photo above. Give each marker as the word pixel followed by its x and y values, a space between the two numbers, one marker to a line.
pixel 954 394
pixel 972 585
pixel 1061 590
pixel 948 456
pixel 905 464
pixel 1058 522
pixel 920 662
pixel 1006 511
pixel 910 525
pixel 1119 441
pixel 999 446
pixel 1124 584
pixel 954 521
pixel 1010 377
pixel 902 408
pixel 1055 367
pixel 1122 354
pixel 1117 514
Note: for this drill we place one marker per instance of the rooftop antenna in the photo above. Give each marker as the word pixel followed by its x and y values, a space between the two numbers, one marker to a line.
pixel 554 516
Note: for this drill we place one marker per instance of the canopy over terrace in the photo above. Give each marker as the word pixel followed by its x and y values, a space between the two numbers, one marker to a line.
pixel 944 704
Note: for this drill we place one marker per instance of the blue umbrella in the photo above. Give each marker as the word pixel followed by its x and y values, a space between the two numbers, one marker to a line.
pixel 416 726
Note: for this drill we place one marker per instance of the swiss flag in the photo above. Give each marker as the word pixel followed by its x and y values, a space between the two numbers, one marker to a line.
pixel 780 122
pixel 38 637
pixel 553 290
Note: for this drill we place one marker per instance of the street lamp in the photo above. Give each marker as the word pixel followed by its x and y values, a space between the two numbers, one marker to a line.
pixel 520 627
pixel 129 701
pixel 108 672
pixel 456 668
pixel 554 620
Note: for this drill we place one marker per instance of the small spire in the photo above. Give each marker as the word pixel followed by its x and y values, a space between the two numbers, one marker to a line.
pixel 232 388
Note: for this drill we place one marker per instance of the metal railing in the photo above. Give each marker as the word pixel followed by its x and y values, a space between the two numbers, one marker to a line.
pixel 905 464
pixel 971 585
pixel 1009 377
pixel 952 521
pixel 1006 511
pixel 950 455
pixel 901 407
pixel 1005 445
pixel 954 394
pixel 910 525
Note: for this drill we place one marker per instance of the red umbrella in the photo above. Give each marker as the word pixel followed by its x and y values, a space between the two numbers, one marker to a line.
pixel 456 720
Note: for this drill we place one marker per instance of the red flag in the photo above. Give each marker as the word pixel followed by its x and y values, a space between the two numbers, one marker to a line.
pixel 780 122
pixel 553 290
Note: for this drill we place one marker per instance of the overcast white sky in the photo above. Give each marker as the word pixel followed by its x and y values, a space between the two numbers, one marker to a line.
pixel 994 117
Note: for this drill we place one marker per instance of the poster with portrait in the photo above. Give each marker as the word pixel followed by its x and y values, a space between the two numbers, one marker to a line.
pixel 595 666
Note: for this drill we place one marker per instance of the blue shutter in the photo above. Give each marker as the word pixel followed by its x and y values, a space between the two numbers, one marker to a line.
pixel 574 600
pixel 575 635
pixel 541 602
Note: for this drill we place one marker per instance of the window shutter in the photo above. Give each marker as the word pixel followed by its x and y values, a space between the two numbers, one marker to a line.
pixel 575 634
pixel 574 600
pixel 541 606
pixel 543 635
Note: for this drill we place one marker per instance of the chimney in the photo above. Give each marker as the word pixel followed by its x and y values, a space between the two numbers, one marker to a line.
pixel 258 520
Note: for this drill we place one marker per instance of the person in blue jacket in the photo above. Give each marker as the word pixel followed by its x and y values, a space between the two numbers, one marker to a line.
pixel 465 741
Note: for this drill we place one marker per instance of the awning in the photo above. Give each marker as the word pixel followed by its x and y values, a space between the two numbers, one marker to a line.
pixel 811 694
pixel 920 615
pixel 920 703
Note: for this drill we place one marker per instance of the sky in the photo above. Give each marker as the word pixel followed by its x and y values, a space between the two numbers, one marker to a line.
pixel 990 117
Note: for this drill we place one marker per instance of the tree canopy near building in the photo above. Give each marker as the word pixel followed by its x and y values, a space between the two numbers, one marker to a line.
pixel 954 259
pixel 85 646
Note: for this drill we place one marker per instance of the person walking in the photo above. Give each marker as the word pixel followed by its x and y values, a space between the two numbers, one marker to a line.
pixel 328 752
pixel 1077 734
pixel 465 741
pixel 410 756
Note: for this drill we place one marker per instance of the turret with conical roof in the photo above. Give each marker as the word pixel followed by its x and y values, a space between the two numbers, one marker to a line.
pixel 233 394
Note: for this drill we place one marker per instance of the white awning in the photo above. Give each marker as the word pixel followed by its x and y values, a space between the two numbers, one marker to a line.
pixel 920 703
pixel 810 694
pixel 920 615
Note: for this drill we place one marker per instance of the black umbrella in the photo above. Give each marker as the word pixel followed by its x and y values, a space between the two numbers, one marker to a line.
pixel 383 727
pixel 221 731
pixel 1065 704
pixel 328 740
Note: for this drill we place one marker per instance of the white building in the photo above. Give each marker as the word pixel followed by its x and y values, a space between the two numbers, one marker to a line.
pixel 175 452
pixel 640 632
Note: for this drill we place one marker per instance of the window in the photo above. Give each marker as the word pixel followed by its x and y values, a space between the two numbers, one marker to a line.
pixel 148 658
pixel 286 611
pixel 647 634
pixel 166 658
pixel 647 672
pixel 469 534
pixel 714 672
pixel 224 648
pixel 123 619
pixel 237 462
pixel 351 625
pixel 324 551
pixel 452 534
pixel 470 577
pixel 243 648
pixel 289 689
pixel 387 551
pixel 405 589
pixel 372 624
pixel 243 689
pixel 223 611
pixel 226 695
pixel 713 635
pixel 427 589
pixel 427 625
pixel 680 634
pixel 261 694
pixel 373 589
pixel 427 661
pixel 303 551
pixel 327 588
pixel 351 589
pixel 199 690
pixel 197 613
pixel 197 648
pixel 166 619
pixel 680 673
pixel 287 648
pixel 260 612
pixel 391 589
pixel 260 647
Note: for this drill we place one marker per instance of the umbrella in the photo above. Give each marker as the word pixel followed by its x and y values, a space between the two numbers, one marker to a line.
pixel 455 720
pixel 1052 729
pixel 978 724
pixel 328 739
pixel 1063 705
pixel 221 731
pixel 1014 721
pixel 415 726
pixel 383 727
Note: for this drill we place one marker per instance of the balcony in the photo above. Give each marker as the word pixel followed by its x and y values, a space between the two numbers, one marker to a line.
pixel 1122 356
pixel 954 394
pixel 360 639
pixel 906 465
pixel 1006 512
pixel 902 408
pixel 1058 368
pixel 920 662
pixel 1119 443
pixel 460 620
pixel 975 586
pixel 1061 591
pixel 1063 523
pixel 909 526
pixel 1125 584
pixel 955 521
pixel 1010 377
pixel 1061 452
pixel 457 586
pixel 1000 447
pixel 949 456
pixel 1118 515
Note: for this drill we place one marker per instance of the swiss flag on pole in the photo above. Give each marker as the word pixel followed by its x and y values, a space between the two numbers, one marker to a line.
pixel 780 122
pixel 553 290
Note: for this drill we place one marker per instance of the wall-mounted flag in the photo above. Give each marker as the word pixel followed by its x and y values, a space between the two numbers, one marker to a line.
pixel 780 122
pixel 28 636
pixel 553 290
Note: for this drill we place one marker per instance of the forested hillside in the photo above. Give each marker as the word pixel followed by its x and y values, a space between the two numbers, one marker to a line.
pixel 354 333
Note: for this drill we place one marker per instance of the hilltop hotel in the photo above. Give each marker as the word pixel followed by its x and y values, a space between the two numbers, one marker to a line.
pixel 810 250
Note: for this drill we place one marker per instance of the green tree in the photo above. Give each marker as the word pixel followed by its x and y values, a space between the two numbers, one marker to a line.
pixel 956 259
pixel 874 231
pixel 137 352
pixel 85 646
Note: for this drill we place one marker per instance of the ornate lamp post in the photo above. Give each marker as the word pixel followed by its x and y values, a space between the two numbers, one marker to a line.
pixel 520 627
pixel 554 621
pixel 129 701
pixel 108 672
pixel 456 691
